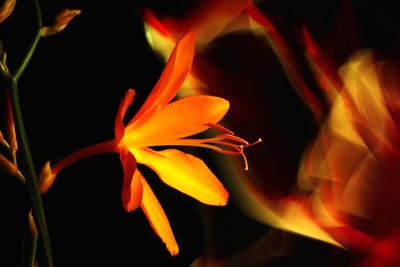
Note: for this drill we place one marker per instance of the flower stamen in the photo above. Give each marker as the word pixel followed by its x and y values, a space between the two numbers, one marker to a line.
pixel 231 145
pixel 233 138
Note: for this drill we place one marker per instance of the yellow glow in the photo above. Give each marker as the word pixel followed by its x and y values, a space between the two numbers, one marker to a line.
pixel 161 44
pixel 287 214
pixel 365 93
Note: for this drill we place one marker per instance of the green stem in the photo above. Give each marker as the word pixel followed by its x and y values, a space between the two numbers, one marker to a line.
pixel 29 250
pixel 6 145
pixel 31 242
pixel 28 57
pixel 20 178
pixel 30 176
pixel 10 151
pixel 34 44
pixel 32 250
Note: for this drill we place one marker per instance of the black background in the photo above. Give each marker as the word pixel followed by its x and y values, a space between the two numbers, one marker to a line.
pixel 70 93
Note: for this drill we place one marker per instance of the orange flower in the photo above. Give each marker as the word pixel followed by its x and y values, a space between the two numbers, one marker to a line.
pixel 161 123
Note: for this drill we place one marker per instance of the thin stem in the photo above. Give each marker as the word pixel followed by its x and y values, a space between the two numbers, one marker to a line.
pixel 38 14
pixel 28 56
pixel 20 178
pixel 31 242
pixel 34 44
pixel 100 148
pixel 6 145
pixel 10 151
pixel 11 169
pixel 30 176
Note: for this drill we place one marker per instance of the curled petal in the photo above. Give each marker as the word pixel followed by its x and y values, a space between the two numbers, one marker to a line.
pixel 173 76
pixel 6 9
pixel 156 216
pixel 186 173
pixel 132 188
pixel 62 20
pixel 182 118
pixel 126 101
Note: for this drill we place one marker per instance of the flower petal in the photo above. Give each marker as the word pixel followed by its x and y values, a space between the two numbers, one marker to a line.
pixel 156 216
pixel 182 118
pixel 184 172
pixel 173 76
pixel 132 188
pixel 126 101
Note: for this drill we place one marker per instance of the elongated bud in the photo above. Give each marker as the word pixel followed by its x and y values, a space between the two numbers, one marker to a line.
pixel 62 20
pixel 3 62
pixel 32 224
pixel 46 178
pixel 7 166
pixel 6 9
pixel 10 126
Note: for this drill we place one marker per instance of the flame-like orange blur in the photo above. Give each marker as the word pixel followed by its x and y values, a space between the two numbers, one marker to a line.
pixel 353 165
pixel 209 20
pixel 161 34
pixel 214 19
pixel 350 171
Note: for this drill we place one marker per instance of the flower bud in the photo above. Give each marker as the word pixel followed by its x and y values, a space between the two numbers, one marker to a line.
pixel 32 225
pixel 7 166
pixel 46 178
pixel 62 20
